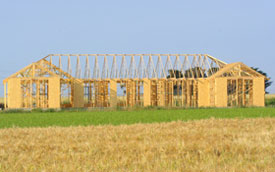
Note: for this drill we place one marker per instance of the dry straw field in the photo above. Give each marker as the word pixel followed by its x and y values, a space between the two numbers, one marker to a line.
pixel 203 145
pixel 270 96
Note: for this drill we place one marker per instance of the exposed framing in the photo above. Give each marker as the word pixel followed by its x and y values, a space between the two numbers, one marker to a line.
pixel 169 80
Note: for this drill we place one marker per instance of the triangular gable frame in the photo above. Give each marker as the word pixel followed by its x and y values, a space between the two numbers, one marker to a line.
pixel 243 68
pixel 43 65
pixel 57 70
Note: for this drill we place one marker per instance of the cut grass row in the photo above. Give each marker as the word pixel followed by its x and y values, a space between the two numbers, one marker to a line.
pixel 85 118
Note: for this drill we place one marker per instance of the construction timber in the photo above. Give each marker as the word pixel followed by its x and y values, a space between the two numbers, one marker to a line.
pixel 128 80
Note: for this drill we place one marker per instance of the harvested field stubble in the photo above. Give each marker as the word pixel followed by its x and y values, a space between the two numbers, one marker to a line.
pixel 205 145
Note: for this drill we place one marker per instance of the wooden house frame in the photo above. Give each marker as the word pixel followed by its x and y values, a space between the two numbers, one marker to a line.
pixel 184 80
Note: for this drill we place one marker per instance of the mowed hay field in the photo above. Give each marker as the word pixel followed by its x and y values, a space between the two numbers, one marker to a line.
pixel 202 145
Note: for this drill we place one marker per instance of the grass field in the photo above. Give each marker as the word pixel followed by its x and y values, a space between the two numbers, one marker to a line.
pixel 204 145
pixel 85 118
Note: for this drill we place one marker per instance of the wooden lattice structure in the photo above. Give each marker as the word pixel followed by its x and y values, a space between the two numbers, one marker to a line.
pixel 127 80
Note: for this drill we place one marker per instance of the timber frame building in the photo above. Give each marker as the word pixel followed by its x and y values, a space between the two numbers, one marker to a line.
pixel 127 80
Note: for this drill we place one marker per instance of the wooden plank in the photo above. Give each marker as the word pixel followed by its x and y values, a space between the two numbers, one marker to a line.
pixel 14 93
pixel 161 93
pixel 203 93
pixel 147 92
pixel 5 95
pixel 113 93
pixel 78 94
pixel 258 92
pixel 221 92
pixel 54 92
pixel 37 98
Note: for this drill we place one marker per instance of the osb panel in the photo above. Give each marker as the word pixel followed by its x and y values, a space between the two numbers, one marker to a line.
pixel 203 93
pixel 161 86
pixel 147 92
pixel 258 92
pixel 14 93
pixel 169 94
pixel 54 92
pixel 113 93
pixel 221 92
pixel 78 99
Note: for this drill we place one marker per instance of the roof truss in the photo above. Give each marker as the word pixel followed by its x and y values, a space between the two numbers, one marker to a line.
pixel 130 66
pixel 237 70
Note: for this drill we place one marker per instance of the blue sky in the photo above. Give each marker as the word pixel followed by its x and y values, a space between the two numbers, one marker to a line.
pixel 233 31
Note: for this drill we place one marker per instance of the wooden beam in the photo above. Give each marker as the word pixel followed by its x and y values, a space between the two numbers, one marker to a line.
pixel 5 95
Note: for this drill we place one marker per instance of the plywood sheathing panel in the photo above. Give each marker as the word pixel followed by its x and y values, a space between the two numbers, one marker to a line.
pixel 130 92
pixel 113 93
pixel 14 93
pixel 169 92
pixel 221 92
pixel 54 92
pixel 78 94
pixel 147 92
pixel 5 95
pixel 259 92
pixel 161 93
pixel 203 93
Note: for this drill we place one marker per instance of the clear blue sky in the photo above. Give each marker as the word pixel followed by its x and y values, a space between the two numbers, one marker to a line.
pixel 235 30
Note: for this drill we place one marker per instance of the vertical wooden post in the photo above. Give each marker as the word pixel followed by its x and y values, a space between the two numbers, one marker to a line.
pixel 203 93
pixel 250 92
pixel 138 93
pixel 14 99
pixel 37 94
pixel 183 89
pixel 244 92
pixel 188 93
pixel 113 93
pixel 178 93
pixel 237 92
pixel 44 94
pixel 30 93
pixel 5 95
pixel 147 92
pixel 54 92
pixel 221 92
pixel 161 93
pixel 258 92
pixel 78 94
pixel 90 93
pixel 33 70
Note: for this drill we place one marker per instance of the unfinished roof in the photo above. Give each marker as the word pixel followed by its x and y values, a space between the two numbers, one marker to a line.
pixel 236 70
pixel 122 66
pixel 128 80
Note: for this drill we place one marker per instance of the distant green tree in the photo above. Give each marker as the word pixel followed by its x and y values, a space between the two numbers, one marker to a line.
pixel 2 106
pixel 212 71
pixel 196 72
pixel 267 82
pixel 174 74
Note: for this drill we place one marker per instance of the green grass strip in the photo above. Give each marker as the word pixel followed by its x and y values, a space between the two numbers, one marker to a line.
pixel 86 118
